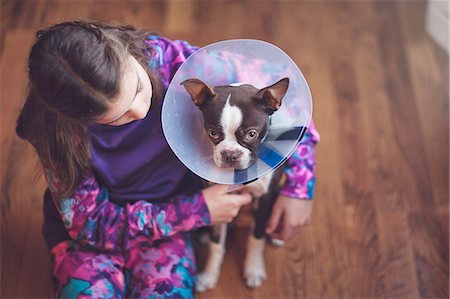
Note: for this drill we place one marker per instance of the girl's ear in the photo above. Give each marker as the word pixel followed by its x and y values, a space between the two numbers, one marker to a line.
pixel 271 96
pixel 200 91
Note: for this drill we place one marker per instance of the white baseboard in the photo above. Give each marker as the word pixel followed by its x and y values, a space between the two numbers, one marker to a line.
pixel 437 22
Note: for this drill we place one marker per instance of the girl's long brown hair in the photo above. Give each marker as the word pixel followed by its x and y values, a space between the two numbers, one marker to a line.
pixel 75 69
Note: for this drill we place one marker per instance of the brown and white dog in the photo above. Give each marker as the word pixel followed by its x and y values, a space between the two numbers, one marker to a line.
pixel 236 118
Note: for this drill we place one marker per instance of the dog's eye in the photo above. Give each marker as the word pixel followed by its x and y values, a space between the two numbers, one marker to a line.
pixel 251 135
pixel 213 134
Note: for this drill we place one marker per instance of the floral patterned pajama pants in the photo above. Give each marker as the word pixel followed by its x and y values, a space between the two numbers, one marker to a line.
pixel 166 269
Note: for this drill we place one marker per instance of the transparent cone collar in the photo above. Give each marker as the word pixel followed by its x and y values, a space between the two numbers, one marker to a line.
pixel 228 62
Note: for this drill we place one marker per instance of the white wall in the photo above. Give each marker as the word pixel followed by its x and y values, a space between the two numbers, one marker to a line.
pixel 437 22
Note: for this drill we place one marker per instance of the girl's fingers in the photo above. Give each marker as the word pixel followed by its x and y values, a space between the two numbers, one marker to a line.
pixel 274 220
pixel 222 189
pixel 286 231
pixel 242 199
pixel 246 198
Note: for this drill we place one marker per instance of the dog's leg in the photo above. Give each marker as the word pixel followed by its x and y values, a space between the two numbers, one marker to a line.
pixel 210 275
pixel 254 267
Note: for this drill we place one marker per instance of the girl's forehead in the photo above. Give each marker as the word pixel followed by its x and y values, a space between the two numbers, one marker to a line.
pixel 128 76
pixel 127 91
pixel 127 81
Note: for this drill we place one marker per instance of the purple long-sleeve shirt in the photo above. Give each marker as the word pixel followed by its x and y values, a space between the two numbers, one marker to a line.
pixel 139 189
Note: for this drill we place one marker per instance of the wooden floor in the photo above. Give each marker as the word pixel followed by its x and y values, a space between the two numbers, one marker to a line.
pixel 380 89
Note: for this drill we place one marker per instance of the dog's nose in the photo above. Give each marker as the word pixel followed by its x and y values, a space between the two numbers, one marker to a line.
pixel 231 156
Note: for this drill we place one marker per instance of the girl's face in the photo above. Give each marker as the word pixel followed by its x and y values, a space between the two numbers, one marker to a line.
pixel 134 99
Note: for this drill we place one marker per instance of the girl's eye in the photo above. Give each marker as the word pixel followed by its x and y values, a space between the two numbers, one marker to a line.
pixel 213 134
pixel 251 135
pixel 117 121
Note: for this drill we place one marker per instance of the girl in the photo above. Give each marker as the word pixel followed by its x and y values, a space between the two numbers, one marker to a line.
pixel 119 204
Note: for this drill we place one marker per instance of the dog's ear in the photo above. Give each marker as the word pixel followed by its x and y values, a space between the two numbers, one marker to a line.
pixel 200 91
pixel 271 96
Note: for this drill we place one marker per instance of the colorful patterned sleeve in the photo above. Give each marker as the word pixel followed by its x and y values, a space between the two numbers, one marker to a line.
pixel 91 219
pixel 300 168
pixel 167 55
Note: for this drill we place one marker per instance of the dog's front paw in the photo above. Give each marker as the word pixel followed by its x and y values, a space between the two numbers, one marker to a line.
pixel 206 281
pixel 255 275
pixel 277 242
pixel 254 267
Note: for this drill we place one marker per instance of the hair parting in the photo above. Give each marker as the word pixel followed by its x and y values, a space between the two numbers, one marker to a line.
pixel 74 71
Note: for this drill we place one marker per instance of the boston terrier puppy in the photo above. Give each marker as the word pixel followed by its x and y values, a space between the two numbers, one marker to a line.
pixel 236 119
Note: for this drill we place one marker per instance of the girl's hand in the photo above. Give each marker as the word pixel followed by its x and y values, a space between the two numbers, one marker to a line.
pixel 222 206
pixel 289 215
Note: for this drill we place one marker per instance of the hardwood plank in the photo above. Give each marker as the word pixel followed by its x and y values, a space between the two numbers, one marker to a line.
pixel 429 235
pixel 399 88
pixel 13 78
pixel 430 79
pixel 424 201
pixel 396 258
pixel 24 255
pixel 179 17
pixel 298 37
pixel 362 232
